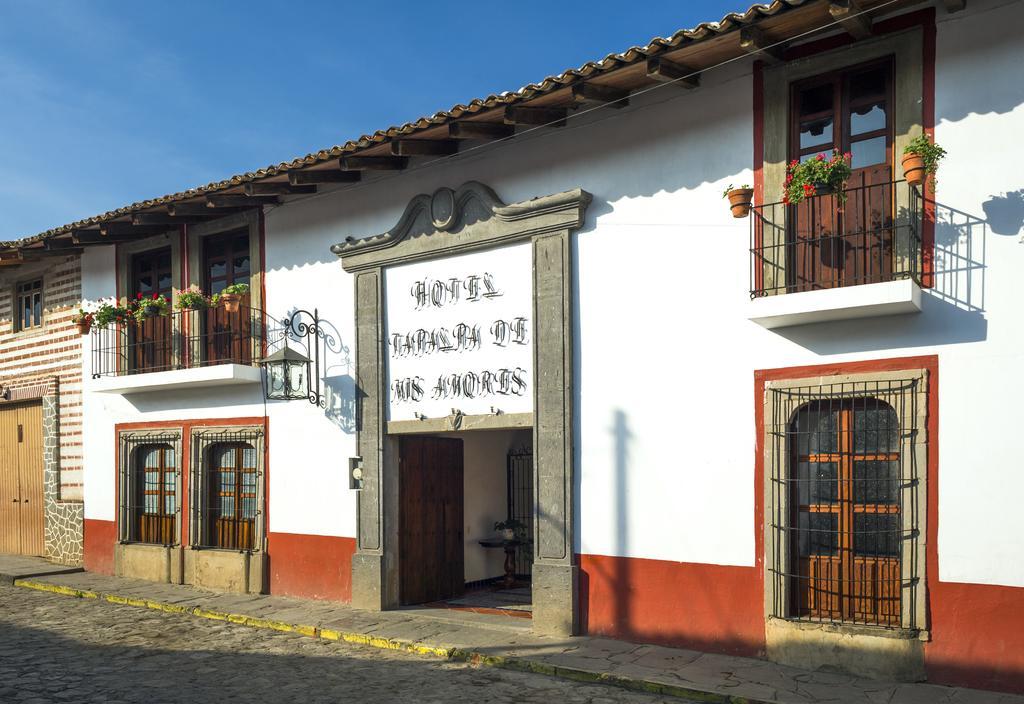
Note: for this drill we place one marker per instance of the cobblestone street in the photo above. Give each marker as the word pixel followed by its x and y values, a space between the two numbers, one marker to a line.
pixel 59 649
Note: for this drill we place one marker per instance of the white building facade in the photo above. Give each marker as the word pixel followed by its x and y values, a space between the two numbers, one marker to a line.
pixel 725 452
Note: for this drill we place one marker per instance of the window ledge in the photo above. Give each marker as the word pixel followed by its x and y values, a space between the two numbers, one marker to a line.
pixel 200 377
pixel 850 629
pixel 833 304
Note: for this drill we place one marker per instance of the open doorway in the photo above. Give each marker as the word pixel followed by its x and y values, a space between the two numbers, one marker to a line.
pixel 466 521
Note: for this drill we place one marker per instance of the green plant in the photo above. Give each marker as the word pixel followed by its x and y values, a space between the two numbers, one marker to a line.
pixel 730 188
pixel 518 528
pixel 107 313
pixel 236 290
pixel 930 152
pixel 191 297
pixel 805 179
pixel 84 316
pixel 143 307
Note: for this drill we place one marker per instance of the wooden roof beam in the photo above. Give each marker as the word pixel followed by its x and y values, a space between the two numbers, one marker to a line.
pixel 480 130
pixel 850 16
pixel 41 252
pixel 955 5
pixel 54 244
pixel 373 163
pixel 200 208
pixel 753 41
pixel 97 237
pixel 170 220
pixel 129 229
pixel 278 188
pixel 665 71
pixel 424 147
pixel 592 93
pixel 522 115
pixel 238 200
pixel 305 177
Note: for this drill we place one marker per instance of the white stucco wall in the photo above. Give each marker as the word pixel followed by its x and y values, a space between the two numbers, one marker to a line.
pixel 665 354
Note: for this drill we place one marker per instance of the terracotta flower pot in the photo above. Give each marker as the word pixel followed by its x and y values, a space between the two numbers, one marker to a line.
pixel 83 326
pixel 913 169
pixel 231 302
pixel 740 201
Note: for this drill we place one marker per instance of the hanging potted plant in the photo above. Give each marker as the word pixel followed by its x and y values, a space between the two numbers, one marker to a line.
pixel 83 320
pixel 150 307
pixel 815 177
pixel 740 199
pixel 108 313
pixel 231 296
pixel 191 298
pixel 921 160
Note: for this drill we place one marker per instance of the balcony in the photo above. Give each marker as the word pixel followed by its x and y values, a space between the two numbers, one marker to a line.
pixel 189 348
pixel 822 260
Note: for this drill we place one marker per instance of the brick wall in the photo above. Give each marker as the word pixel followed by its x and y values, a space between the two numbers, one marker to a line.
pixel 46 362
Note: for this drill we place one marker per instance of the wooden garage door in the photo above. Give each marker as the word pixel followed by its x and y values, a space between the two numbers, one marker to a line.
pixel 21 480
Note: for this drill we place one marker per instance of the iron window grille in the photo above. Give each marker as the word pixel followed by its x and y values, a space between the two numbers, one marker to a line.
pixel 150 488
pixel 227 489
pixel 846 503
pixel 520 505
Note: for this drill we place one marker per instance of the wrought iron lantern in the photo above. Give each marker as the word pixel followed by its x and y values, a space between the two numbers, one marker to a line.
pixel 287 374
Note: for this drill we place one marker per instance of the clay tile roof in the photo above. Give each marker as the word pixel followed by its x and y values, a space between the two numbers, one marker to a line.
pixel 611 62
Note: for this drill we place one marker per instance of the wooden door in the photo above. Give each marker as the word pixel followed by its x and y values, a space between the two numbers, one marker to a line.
pixel 150 340
pixel 831 244
pixel 21 480
pixel 430 544
pixel 226 262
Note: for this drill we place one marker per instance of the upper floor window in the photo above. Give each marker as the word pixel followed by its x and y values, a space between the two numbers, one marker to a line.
pixel 29 304
pixel 149 345
pixel 226 260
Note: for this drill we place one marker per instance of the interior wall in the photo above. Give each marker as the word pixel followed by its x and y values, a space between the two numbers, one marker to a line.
pixel 486 495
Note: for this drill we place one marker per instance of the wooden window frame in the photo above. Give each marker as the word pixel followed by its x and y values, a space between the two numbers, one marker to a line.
pixel 844 508
pixel 130 444
pixel 18 296
pixel 203 441
pixel 911 409
pixel 215 493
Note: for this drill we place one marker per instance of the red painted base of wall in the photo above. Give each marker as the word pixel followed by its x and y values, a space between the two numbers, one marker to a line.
pixel 703 607
pixel 311 566
pixel 98 545
pixel 977 636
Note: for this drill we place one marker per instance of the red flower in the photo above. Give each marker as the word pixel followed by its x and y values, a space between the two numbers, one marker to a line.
pixel 794 163
pixel 820 157
pixel 848 155
pixel 139 296
pixel 156 296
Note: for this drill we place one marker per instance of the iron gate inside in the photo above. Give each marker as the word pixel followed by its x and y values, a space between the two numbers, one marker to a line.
pixel 520 505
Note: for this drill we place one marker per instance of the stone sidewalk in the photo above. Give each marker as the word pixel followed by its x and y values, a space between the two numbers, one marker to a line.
pixel 14 567
pixel 492 641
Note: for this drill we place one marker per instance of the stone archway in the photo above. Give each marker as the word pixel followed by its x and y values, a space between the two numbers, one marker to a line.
pixel 448 222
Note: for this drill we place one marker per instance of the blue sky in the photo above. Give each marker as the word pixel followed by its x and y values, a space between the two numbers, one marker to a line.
pixel 104 103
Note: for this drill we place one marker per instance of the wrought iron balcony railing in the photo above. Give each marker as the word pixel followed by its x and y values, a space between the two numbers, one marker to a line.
pixel 181 340
pixel 821 243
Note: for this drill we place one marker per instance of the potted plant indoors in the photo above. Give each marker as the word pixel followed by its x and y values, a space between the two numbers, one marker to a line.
pixel 150 307
pixel 231 296
pixel 510 529
pixel 191 298
pixel 817 176
pixel 83 319
pixel 921 160
pixel 740 199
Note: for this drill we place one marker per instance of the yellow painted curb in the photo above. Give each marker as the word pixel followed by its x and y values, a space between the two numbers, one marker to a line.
pixel 468 656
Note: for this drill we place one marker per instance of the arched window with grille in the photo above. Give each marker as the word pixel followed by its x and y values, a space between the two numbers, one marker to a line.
pixel 845 511
pixel 155 502
pixel 231 496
